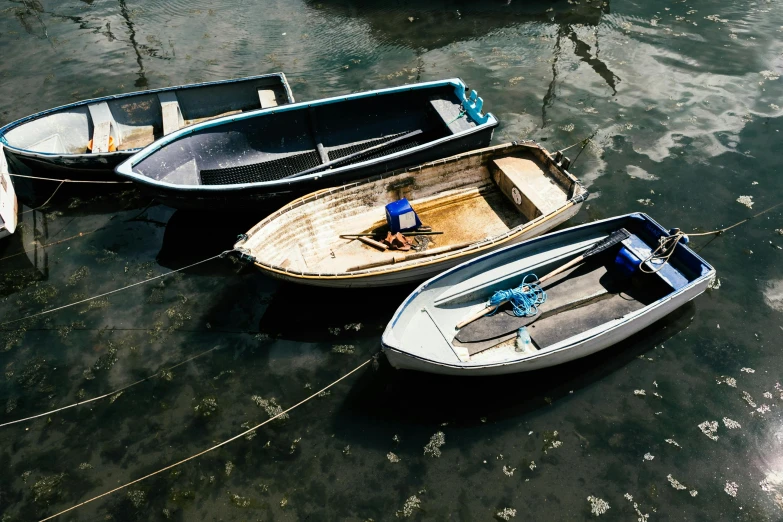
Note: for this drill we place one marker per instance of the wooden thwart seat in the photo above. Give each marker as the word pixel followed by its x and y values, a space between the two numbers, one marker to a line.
pixel 525 182
pixel 172 115
pixel 104 126
pixel 267 98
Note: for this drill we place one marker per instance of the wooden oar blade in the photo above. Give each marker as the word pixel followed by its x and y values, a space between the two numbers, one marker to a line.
pixel 614 238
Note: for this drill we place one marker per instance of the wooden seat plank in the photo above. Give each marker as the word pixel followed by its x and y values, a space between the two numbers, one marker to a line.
pixel 104 126
pixel 267 98
pixel 170 112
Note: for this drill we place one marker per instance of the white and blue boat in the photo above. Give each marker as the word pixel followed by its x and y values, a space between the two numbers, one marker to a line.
pixel 591 306
pixel 87 139
pixel 298 148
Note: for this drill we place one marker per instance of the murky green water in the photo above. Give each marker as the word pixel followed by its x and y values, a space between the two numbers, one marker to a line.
pixel 684 100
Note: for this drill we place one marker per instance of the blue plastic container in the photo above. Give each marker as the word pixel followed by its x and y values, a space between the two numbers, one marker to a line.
pixel 627 264
pixel 400 216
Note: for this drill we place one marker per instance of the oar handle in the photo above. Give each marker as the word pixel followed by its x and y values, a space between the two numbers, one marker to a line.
pixel 563 268
pixel 477 315
pixel 489 309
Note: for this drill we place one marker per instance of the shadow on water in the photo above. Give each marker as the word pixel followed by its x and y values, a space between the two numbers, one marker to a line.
pixel 191 236
pixel 381 399
pixel 306 314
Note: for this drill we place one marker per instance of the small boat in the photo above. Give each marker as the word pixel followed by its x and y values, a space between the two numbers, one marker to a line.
pixel 477 201
pixel 8 204
pixel 609 296
pixel 91 137
pixel 293 150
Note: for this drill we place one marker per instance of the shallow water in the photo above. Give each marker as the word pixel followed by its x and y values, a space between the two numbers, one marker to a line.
pixel 683 99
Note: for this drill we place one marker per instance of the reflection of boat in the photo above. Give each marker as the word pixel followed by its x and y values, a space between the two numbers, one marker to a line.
pixel 606 299
pixel 8 205
pixel 92 136
pixel 24 257
pixel 249 157
pixel 478 201
pixel 431 24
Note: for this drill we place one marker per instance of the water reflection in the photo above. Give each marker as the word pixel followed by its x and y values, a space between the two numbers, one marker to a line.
pixel 430 24
pixel 433 24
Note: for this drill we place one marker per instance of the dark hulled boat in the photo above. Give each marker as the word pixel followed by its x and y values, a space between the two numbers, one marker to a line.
pixel 292 150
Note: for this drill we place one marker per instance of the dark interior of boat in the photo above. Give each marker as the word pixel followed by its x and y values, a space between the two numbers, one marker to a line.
pixel 274 146
pixel 579 299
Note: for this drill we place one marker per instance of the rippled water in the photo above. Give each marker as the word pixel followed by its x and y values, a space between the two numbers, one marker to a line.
pixel 683 102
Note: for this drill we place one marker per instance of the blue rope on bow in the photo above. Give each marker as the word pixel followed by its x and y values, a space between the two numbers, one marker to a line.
pixel 525 299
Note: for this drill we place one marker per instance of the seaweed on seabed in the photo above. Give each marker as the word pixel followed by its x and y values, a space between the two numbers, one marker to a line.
pixel 48 488
pixel 206 407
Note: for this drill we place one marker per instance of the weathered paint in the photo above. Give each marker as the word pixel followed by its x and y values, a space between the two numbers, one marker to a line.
pixel 454 195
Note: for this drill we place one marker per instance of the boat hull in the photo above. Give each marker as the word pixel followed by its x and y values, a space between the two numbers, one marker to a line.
pixel 418 273
pixel 100 166
pixel 404 361
pixel 250 197
pixel 239 161
pixel 424 333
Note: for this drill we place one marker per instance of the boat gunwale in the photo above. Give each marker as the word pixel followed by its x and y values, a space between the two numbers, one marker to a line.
pixel 46 155
pixel 125 169
pixel 545 352
pixel 711 272
pixel 580 194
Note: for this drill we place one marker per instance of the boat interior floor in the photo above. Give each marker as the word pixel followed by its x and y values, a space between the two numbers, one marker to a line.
pixel 242 151
pixel 465 215
pixel 582 298
pixel 281 167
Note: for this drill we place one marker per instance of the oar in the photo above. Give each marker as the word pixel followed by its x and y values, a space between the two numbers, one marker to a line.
pixel 355 154
pixel 613 239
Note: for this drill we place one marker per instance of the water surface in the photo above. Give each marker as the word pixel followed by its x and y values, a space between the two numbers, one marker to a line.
pixel 683 102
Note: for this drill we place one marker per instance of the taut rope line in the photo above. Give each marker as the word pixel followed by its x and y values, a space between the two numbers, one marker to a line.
pixel 45 202
pixel 38 314
pixel 72 180
pixel 112 392
pixel 80 234
pixel 216 446
pixel 666 245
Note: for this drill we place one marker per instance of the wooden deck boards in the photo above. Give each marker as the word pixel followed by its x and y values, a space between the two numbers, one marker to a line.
pixel 461 220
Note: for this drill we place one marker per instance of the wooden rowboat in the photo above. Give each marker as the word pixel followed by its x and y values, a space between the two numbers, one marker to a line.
pixel 8 204
pixel 588 308
pixel 293 150
pixel 57 140
pixel 479 200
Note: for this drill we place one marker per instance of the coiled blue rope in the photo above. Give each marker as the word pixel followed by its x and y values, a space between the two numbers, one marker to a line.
pixel 525 299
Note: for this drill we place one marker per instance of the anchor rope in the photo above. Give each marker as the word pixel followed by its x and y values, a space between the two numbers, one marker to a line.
pixel 80 234
pixel 525 299
pixel 80 403
pixel 666 244
pixel 212 448
pixel 45 202
pixel 137 283
pixel 462 112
